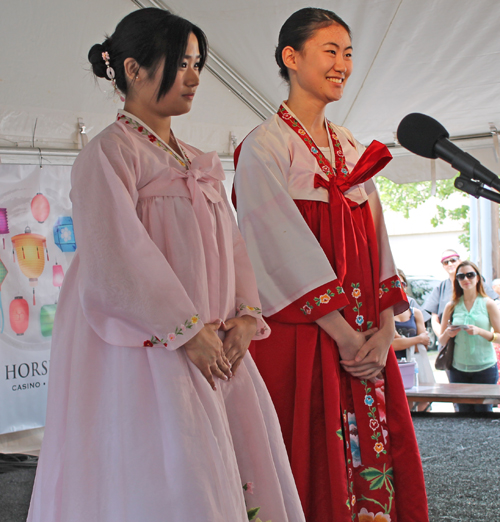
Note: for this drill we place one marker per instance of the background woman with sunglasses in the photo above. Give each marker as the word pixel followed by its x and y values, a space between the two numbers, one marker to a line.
pixel 475 324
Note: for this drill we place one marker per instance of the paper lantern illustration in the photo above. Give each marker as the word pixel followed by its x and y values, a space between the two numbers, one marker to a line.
pixel 19 314
pixel 3 275
pixel 40 207
pixel 64 234
pixel 47 314
pixel 29 249
pixel 57 275
pixel 4 224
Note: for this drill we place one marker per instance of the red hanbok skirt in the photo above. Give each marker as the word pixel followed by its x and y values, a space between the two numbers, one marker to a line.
pixel 351 443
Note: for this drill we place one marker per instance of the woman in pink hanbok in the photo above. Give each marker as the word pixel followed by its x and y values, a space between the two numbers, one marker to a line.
pixel 155 411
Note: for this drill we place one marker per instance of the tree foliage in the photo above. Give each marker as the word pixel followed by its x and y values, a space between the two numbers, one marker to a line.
pixel 402 198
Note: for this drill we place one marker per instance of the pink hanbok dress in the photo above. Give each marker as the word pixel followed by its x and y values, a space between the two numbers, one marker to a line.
pixel 134 432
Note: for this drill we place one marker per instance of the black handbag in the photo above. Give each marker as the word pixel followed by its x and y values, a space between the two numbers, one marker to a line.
pixel 444 360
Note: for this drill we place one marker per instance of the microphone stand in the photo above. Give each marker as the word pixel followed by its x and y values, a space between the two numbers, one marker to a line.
pixel 475 188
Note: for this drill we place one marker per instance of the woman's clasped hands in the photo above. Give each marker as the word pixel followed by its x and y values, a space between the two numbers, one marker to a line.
pixel 371 358
pixel 215 358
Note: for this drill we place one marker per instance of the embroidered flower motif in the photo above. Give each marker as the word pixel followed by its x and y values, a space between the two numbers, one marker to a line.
pixel 325 298
pixel 250 308
pixel 286 116
pixel 368 400
pixel 140 128
pixel 314 150
pixel 194 319
pixel 301 132
pixel 306 309
pixel 148 343
pixel 248 487
pixel 379 447
pixel 380 293
pixel 325 168
pixel 365 516
pixel 151 138
pixel 171 337
pixel 353 500
pixel 374 424
pixel 356 293
pixel 396 284
pixel 360 320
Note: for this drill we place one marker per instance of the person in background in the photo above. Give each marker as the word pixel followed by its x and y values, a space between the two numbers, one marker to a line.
pixel 473 319
pixel 410 326
pixel 495 284
pixel 411 340
pixel 441 295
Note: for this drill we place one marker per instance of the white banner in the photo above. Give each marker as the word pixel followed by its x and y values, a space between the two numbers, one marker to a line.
pixel 36 247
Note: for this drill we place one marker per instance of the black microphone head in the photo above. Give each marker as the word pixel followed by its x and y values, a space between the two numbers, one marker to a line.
pixel 419 133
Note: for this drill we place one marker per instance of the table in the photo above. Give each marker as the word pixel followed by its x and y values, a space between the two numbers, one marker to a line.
pixel 455 392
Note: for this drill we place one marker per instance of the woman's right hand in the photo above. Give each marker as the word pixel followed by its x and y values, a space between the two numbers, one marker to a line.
pixel 205 350
pixel 349 347
pixel 452 331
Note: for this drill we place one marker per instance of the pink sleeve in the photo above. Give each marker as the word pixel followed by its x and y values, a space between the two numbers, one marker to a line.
pixel 129 293
pixel 247 301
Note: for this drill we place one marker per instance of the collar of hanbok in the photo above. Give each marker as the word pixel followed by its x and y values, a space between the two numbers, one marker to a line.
pixel 200 175
pixel 133 121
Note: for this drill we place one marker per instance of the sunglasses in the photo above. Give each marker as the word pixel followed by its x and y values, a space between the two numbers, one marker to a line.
pixel 451 261
pixel 468 275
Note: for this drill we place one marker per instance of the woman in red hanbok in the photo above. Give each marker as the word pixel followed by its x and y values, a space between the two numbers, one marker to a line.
pixel 313 224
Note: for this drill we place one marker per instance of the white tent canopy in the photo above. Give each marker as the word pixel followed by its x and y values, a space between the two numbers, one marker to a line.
pixel 440 57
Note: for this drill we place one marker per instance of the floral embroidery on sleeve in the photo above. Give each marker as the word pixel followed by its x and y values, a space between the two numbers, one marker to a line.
pixel 322 299
pixel 179 330
pixel 249 308
pixel 383 289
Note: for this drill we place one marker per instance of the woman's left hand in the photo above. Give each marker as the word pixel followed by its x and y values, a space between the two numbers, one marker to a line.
pixel 371 358
pixel 239 332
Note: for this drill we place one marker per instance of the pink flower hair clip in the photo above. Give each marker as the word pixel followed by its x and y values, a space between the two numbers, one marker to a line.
pixel 110 73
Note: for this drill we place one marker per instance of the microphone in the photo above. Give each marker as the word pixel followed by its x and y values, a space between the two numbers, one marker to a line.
pixel 426 137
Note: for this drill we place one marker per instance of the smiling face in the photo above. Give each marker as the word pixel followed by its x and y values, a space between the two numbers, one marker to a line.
pixel 449 261
pixel 321 69
pixel 178 100
pixel 467 277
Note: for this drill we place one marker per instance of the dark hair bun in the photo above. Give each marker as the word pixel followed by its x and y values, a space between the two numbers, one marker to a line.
pixel 95 58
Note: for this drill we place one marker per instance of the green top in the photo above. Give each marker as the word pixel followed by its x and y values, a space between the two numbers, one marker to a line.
pixel 472 353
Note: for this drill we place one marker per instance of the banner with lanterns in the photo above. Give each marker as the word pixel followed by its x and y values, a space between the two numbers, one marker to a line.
pixel 36 247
